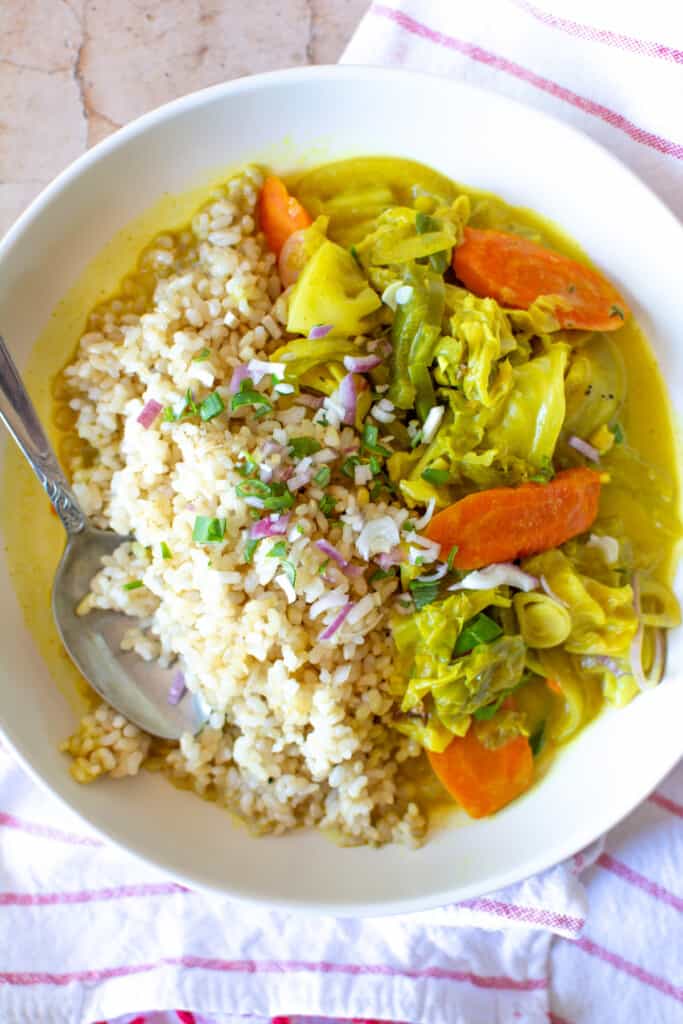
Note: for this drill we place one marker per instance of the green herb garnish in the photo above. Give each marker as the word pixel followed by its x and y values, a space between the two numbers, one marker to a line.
pixel 279 551
pixel 480 630
pixel 133 585
pixel 253 489
pixel 250 548
pixel 249 466
pixel 165 550
pixel 381 574
pixel 618 432
pixel 279 498
pixel 451 557
pixel 247 395
pixel 616 311
pixel 488 711
pixel 424 592
pixel 438 477
pixel 299 447
pixel 211 406
pixel 371 441
pixel 424 223
pixel 323 476
pixel 323 566
pixel 327 505
pixel 208 530
pixel 202 355
pixel 349 466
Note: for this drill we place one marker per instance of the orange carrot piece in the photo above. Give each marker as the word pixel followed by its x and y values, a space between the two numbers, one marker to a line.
pixel 553 685
pixel 515 272
pixel 280 214
pixel 506 523
pixel 483 780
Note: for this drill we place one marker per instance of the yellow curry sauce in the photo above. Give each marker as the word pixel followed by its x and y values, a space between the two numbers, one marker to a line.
pixel 645 415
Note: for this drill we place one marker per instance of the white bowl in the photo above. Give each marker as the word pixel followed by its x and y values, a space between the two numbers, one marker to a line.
pixel 305 116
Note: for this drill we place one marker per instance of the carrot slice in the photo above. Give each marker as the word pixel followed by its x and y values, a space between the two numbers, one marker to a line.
pixel 280 214
pixel 483 780
pixel 515 272
pixel 506 523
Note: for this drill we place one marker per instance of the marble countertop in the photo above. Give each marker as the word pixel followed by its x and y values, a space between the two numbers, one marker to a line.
pixel 72 71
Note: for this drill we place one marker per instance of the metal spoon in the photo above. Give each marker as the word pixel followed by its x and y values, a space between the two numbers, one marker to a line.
pixel 138 689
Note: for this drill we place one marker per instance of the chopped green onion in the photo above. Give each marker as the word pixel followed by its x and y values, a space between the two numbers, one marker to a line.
pixel 480 630
pixel 349 465
pixel 417 439
pixel 250 548
pixel 323 566
pixel 440 261
pixel 279 500
pixel 375 465
pixel 202 356
pixel 248 396
pixel 165 550
pixel 451 557
pixel 354 253
pixel 617 311
pixel 169 415
pixel 436 476
pixel 278 550
pixel 133 585
pixel 253 489
pixel 370 435
pixel 424 592
pixel 249 467
pixel 323 476
pixel 208 530
pixel 544 473
pixel 299 447
pixel 618 432
pixel 327 505
pixel 211 406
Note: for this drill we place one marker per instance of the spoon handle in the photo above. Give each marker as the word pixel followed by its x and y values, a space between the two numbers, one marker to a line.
pixel 21 419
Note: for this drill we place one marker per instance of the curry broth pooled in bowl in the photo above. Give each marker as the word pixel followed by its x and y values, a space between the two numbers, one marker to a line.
pixel 402 482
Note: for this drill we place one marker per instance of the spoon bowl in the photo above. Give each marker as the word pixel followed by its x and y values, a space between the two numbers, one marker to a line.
pixel 138 689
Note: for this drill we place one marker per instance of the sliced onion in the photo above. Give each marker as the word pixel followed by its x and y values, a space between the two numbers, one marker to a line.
pixel 149 413
pixel 260 368
pixel 551 593
pixel 496 575
pixel 432 423
pixel 299 479
pixel 239 374
pixel 377 537
pixel 288 261
pixel 270 526
pixel 319 331
pixel 329 632
pixel 434 576
pixel 649 681
pixel 584 448
pixel 361 364
pixel 429 512
pixel 346 567
pixel 177 688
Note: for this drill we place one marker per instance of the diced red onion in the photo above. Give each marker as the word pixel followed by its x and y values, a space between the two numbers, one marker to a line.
pixel 496 575
pixel 347 396
pixel 584 448
pixel 346 567
pixel 270 526
pixel 312 401
pixel 260 368
pixel 361 364
pixel 551 593
pixel 319 331
pixel 149 413
pixel 299 479
pixel 336 623
pixel 177 688
pixel 389 558
pixel 239 374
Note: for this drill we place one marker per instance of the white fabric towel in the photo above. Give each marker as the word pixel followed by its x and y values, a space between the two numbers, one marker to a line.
pixel 87 933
